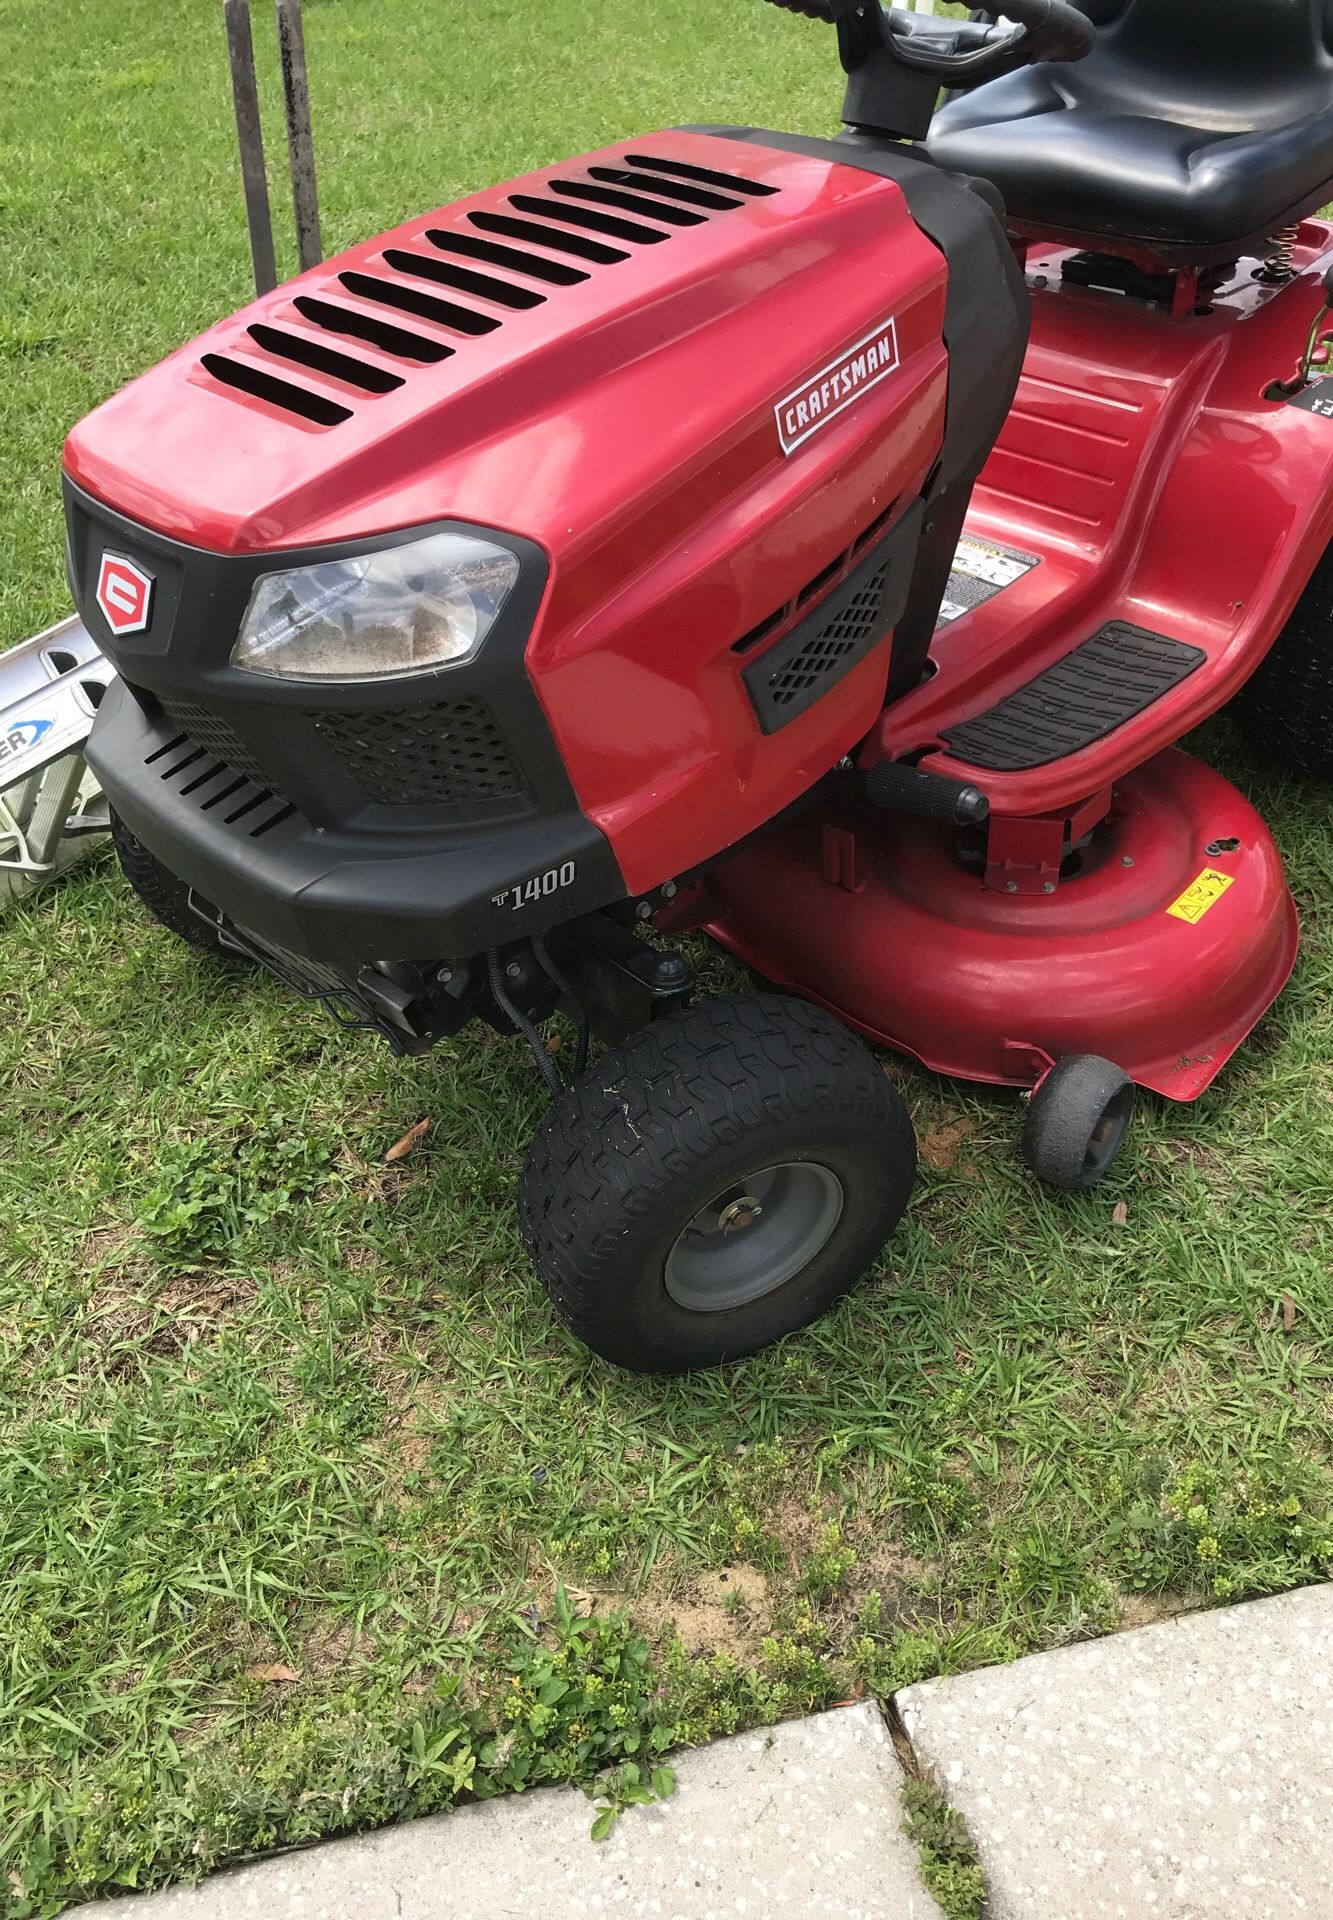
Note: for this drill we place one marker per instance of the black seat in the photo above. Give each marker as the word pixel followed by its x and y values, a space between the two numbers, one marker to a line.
pixel 1195 128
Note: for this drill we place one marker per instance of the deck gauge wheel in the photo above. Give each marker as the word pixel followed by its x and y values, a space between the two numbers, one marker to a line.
pixel 1077 1119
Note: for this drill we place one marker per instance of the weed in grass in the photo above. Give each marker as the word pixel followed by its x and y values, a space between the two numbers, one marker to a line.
pixel 828 1566
pixel 207 1193
pixel 577 1704
pixel 1246 1531
pixel 949 1863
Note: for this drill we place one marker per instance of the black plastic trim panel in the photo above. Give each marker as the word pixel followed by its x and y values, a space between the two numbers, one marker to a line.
pixel 987 310
pixel 987 313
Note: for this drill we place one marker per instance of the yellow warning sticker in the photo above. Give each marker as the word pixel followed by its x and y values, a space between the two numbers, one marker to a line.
pixel 1201 894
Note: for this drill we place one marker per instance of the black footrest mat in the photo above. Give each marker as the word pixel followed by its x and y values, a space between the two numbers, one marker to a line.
pixel 1083 697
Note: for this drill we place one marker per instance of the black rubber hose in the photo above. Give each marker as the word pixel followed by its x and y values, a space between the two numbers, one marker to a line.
pixel 563 987
pixel 546 1065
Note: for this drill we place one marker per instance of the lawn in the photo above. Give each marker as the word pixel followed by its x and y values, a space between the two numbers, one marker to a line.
pixel 302 1488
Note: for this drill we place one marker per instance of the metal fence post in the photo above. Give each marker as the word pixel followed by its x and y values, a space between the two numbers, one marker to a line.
pixel 300 142
pixel 250 138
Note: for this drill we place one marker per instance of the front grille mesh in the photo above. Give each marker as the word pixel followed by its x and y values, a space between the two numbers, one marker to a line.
pixel 216 736
pixel 424 756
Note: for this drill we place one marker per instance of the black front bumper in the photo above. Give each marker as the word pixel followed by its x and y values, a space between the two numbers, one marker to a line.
pixel 428 818
pixel 350 894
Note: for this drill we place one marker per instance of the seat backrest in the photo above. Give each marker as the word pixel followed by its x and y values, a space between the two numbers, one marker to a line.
pixel 1231 65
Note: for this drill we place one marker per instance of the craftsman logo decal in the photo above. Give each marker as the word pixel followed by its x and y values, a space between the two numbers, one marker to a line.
pixel 1201 894
pixel 833 389
pixel 18 740
pixel 124 594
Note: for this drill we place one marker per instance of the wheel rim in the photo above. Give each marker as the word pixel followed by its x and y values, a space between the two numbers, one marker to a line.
pixel 753 1236
pixel 1108 1134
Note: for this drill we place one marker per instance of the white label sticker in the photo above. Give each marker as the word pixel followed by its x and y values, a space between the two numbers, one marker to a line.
pixel 981 562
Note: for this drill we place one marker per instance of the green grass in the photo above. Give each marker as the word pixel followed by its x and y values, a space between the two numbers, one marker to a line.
pixel 282 1525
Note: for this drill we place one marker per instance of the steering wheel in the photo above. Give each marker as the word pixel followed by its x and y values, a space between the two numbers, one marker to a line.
pixel 958 53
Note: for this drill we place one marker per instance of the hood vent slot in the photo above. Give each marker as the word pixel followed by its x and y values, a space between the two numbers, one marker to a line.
pixel 728 182
pixel 556 273
pixel 315 407
pixel 576 243
pixel 609 197
pixel 503 292
pixel 667 189
pixel 374 331
pixel 305 352
pixel 426 306
pixel 555 236
pixel 606 223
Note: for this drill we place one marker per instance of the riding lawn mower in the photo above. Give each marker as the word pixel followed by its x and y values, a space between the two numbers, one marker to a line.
pixel 817 542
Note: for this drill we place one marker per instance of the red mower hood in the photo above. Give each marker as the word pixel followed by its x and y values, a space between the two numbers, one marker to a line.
pixel 532 358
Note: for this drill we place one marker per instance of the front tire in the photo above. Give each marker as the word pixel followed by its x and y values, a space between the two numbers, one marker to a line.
pixel 719 1180
pixel 166 897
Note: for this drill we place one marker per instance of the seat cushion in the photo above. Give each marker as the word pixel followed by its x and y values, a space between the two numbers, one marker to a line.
pixel 1072 154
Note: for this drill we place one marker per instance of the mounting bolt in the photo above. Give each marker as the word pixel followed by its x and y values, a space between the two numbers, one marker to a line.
pixel 1048 886
pixel 644 910
pixel 670 970
pixel 444 976
pixel 1011 886
pixel 846 764
pixel 1126 859
pixel 514 970
pixel 669 890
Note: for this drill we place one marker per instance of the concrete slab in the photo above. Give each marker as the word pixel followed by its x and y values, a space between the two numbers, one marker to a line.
pixel 1181 1770
pixel 802 1820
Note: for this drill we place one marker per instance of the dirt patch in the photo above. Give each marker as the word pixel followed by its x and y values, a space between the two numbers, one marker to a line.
pixel 329 1649
pixel 101 1244
pixel 404 1447
pixel 797 1529
pixel 939 1146
pixel 135 1310
pixel 888 1569
pixel 1149 1609
pixel 720 1612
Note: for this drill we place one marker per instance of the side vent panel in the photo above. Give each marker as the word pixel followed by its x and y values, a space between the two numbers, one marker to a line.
pixel 815 654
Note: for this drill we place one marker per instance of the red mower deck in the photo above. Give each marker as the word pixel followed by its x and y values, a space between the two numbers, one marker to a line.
pixel 1161 949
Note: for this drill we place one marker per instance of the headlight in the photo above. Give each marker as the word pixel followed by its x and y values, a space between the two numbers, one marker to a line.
pixel 401 610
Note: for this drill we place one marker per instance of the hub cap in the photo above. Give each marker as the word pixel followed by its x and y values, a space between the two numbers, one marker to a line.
pixel 1107 1135
pixel 753 1236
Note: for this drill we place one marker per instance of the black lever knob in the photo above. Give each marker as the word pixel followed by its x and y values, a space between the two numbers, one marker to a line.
pixel 900 788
